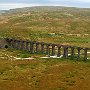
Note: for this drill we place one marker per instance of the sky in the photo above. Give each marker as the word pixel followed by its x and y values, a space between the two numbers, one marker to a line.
pixel 11 4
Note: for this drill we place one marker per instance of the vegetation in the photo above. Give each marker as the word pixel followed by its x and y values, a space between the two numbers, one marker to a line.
pixel 48 24
pixel 39 74
pixel 62 25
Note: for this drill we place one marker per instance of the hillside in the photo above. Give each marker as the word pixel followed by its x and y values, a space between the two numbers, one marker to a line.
pixel 21 70
pixel 48 24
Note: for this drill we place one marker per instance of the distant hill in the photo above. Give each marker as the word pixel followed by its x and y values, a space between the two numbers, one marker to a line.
pixel 67 25
pixel 50 8
pixel 2 11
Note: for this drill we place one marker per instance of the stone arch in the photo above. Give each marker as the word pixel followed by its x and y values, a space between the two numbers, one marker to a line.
pixel 4 43
pixel 6 46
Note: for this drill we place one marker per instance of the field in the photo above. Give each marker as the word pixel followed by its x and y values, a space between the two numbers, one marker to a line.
pixel 68 26
pixel 42 74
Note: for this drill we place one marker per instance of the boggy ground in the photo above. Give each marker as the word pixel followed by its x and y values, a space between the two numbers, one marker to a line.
pixel 42 74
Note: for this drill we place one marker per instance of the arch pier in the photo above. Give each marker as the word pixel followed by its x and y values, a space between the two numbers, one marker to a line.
pixel 49 49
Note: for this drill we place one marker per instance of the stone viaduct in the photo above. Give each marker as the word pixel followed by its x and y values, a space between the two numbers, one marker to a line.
pixel 47 48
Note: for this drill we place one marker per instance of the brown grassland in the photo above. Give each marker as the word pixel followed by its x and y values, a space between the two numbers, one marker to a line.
pixel 42 74
pixel 69 26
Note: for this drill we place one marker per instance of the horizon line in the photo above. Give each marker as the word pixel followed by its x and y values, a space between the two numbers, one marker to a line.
pixel 44 6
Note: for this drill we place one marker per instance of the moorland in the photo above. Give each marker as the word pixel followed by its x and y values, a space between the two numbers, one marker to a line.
pixel 61 25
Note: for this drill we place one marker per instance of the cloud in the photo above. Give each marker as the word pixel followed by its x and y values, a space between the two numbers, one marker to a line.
pixel 7 6
pixel 24 1
pixel 10 4
pixel 42 1
pixel 87 1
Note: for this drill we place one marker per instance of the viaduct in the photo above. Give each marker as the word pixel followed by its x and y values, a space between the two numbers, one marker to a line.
pixel 45 48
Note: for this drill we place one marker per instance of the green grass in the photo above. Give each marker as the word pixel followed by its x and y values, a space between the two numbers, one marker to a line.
pixel 48 74
pixel 36 74
pixel 38 24
pixel 51 25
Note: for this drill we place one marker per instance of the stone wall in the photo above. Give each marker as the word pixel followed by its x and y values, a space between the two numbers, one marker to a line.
pixel 3 43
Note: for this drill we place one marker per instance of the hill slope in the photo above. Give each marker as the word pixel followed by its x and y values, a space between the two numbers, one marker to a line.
pixel 49 24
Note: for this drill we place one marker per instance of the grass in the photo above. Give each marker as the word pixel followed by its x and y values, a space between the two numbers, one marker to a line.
pixel 47 74
pixel 60 25
pixel 39 74
pixel 39 24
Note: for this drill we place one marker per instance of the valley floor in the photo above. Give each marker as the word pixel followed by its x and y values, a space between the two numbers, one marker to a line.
pixel 42 74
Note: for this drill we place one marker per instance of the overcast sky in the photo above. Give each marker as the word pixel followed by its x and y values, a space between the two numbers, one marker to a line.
pixel 10 4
